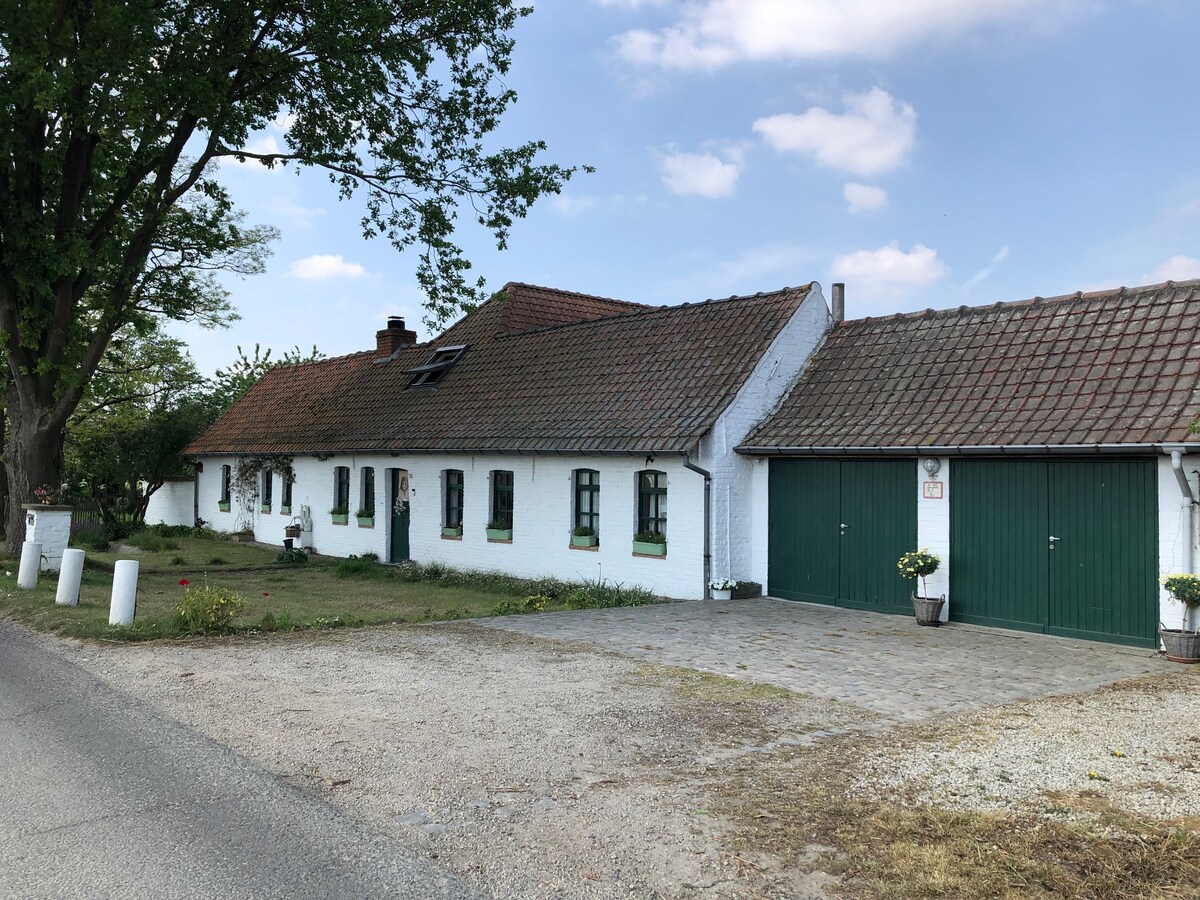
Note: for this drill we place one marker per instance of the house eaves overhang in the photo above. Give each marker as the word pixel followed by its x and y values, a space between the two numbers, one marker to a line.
pixel 429 451
pixel 971 450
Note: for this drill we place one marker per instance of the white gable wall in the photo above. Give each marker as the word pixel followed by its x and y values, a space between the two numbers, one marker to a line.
pixel 172 504
pixel 542 515
pixel 739 483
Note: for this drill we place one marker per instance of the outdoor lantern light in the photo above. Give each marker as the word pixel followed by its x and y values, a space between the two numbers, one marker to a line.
pixel 931 466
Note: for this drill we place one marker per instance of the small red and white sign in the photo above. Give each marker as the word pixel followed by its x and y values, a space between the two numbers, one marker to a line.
pixel 933 490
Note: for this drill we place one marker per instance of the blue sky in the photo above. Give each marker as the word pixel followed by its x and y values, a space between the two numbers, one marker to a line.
pixel 929 153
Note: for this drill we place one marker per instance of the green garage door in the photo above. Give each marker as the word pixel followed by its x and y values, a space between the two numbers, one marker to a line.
pixel 837 528
pixel 1063 547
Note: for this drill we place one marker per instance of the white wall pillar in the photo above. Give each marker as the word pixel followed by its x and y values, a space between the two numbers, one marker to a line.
pixel 50 526
pixel 933 524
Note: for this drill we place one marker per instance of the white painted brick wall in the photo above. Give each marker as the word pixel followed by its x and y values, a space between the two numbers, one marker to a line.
pixel 933 529
pixel 52 529
pixel 1172 532
pixel 542 497
pixel 739 508
pixel 172 504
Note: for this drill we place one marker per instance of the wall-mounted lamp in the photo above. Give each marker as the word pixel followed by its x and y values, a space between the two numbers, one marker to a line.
pixel 649 460
pixel 932 466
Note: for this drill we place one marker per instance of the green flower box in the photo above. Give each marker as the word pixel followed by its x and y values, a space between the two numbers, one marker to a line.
pixel 266 507
pixel 285 510
pixel 366 521
pixel 452 532
pixel 223 505
pixel 499 534
pixel 339 519
pixel 648 549
pixel 588 540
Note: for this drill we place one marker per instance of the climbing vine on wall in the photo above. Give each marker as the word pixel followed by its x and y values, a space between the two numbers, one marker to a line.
pixel 247 483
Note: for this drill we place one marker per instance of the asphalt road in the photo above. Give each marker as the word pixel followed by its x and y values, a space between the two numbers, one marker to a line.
pixel 101 797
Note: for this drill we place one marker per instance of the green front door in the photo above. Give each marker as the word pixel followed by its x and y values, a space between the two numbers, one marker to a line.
pixel 836 529
pixel 1104 556
pixel 999 563
pixel 398 500
pixel 1066 547
pixel 803 543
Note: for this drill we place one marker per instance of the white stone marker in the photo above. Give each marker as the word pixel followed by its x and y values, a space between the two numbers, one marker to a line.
pixel 124 592
pixel 69 577
pixel 31 564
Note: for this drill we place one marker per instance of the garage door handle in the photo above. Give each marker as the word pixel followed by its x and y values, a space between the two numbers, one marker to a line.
pixel 1053 541
pixel 843 527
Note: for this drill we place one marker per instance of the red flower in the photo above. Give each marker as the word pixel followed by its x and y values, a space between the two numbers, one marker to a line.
pixel 266 594
pixel 184 582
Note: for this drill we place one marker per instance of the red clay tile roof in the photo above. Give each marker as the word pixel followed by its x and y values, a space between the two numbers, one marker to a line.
pixel 649 380
pixel 524 307
pixel 1114 367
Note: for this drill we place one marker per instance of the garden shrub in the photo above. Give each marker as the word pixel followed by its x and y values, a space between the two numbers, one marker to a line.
pixel 366 565
pixel 151 541
pixel 508 607
pixel 293 556
pixel 208 609
pixel 89 536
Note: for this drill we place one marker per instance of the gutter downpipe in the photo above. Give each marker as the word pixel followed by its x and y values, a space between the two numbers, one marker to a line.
pixel 688 464
pixel 1187 504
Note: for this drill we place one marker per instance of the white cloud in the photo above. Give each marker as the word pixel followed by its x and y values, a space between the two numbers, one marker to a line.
pixel 863 198
pixel 263 144
pixel 629 4
pixel 874 135
pixel 321 268
pixel 987 270
pixel 1177 268
pixel 888 272
pixel 573 205
pixel 715 33
pixel 295 212
pixel 700 174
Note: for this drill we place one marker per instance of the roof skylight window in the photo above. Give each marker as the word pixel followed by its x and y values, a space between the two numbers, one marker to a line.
pixel 439 364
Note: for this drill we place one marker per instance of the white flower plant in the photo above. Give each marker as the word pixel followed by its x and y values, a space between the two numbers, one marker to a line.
pixel 722 584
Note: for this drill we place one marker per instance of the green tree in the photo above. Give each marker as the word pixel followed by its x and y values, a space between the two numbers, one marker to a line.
pixel 112 113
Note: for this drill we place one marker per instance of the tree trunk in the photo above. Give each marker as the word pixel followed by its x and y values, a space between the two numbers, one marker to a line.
pixel 31 458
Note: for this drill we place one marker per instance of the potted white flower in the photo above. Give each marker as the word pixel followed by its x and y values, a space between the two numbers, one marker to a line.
pixel 921 564
pixel 722 588
pixel 1182 644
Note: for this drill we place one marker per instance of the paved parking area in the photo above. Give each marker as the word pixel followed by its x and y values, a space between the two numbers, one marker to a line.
pixel 885 663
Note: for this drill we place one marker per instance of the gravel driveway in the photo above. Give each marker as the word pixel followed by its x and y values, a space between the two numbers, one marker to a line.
pixel 539 768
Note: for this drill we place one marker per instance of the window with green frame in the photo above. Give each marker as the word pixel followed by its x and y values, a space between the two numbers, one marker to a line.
pixel 453 498
pixel 502 498
pixel 367 500
pixel 341 487
pixel 652 501
pixel 587 499
pixel 286 489
pixel 268 483
pixel 226 481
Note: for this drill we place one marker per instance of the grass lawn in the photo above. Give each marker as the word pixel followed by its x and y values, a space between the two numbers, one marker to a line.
pixel 190 554
pixel 278 597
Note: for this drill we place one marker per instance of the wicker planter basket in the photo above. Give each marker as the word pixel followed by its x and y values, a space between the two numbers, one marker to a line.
pixel 1181 646
pixel 928 610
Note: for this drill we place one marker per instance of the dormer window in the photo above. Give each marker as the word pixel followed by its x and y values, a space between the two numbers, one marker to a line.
pixel 439 364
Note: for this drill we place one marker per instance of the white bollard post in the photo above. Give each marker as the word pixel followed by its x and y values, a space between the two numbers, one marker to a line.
pixel 69 577
pixel 31 564
pixel 124 592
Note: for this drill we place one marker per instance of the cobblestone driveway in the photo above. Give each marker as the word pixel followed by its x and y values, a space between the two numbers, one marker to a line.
pixel 885 663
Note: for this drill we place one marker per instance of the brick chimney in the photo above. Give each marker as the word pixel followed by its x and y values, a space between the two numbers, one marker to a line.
pixel 394 337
